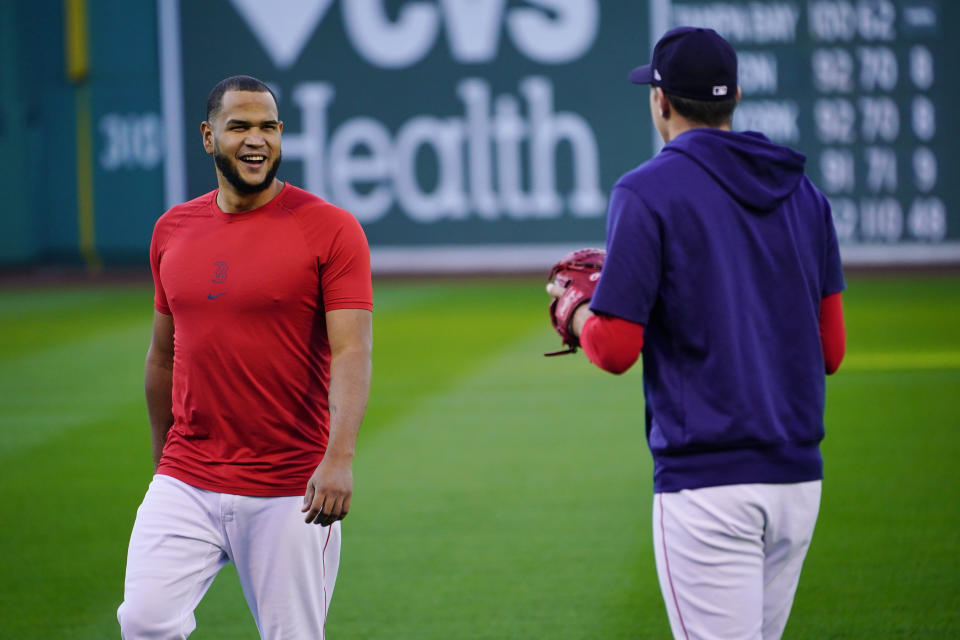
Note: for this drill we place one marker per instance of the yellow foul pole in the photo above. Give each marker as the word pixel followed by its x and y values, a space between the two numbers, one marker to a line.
pixel 78 70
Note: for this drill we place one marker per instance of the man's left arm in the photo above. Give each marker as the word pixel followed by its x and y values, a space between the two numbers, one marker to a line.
pixel 350 333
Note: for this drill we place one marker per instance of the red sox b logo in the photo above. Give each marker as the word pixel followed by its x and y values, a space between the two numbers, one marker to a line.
pixel 220 272
pixel 219 277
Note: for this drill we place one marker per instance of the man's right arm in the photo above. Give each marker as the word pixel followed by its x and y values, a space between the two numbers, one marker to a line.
pixel 158 382
pixel 611 343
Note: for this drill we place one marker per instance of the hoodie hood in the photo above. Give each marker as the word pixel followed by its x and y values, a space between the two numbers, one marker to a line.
pixel 756 172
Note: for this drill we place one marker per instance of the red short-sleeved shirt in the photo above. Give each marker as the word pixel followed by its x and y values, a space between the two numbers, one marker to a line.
pixel 251 365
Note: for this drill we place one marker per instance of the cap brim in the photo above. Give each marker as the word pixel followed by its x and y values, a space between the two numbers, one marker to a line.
pixel 642 75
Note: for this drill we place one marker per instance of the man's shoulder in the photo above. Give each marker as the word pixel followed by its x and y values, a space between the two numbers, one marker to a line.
pixel 652 172
pixel 313 209
pixel 199 205
pixel 806 189
pixel 176 215
pixel 323 224
pixel 300 200
pixel 294 198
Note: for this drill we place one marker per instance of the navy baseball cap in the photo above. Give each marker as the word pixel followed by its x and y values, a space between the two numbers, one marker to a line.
pixel 691 62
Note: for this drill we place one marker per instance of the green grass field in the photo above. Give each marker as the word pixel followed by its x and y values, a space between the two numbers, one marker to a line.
pixel 499 494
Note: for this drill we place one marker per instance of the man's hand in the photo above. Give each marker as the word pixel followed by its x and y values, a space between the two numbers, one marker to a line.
pixel 571 283
pixel 580 315
pixel 327 498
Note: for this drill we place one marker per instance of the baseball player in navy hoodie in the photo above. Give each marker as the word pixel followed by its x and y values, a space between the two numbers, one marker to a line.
pixel 722 268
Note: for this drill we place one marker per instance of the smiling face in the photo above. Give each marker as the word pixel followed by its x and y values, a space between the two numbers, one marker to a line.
pixel 243 136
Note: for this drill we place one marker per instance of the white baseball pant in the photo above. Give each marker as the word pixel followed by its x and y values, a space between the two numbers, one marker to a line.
pixel 729 557
pixel 184 535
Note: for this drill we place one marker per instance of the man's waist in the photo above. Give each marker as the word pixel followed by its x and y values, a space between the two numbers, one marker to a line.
pixel 787 462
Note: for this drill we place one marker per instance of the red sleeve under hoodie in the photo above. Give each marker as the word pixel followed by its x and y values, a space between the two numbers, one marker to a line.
pixel 614 344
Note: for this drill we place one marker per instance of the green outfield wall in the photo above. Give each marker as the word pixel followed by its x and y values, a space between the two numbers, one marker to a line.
pixel 462 134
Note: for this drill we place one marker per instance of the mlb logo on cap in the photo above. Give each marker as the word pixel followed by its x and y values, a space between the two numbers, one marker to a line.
pixel 691 62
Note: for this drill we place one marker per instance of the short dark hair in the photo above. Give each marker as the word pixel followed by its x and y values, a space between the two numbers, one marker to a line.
pixel 234 83
pixel 713 113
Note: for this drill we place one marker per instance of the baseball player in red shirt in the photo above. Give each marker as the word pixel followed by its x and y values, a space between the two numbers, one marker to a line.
pixel 257 379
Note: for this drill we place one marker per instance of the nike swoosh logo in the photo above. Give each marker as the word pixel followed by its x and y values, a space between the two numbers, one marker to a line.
pixel 210 296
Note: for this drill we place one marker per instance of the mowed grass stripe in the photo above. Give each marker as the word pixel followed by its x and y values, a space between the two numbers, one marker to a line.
pixel 68 506
pixel 899 361
pixel 429 334
pixel 885 559
pixel 509 506
pixel 55 388
pixel 36 319
pixel 910 313
pixel 54 301
pixel 458 371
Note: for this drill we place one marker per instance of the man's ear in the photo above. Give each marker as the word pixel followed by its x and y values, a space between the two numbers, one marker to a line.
pixel 206 131
pixel 664 103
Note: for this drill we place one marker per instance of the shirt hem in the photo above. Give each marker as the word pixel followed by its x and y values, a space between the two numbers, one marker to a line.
pixel 776 464
pixel 237 489
pixel 360 304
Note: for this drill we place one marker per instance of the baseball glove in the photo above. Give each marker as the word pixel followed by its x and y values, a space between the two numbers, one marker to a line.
pixel 577 274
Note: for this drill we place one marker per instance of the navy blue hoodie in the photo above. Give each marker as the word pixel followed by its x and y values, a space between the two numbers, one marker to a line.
pixel 723 249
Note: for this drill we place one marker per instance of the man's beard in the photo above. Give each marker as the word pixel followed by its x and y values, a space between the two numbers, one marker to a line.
pixel 228 169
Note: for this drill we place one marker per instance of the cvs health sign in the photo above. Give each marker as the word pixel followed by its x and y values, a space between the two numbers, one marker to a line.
pixel 437 123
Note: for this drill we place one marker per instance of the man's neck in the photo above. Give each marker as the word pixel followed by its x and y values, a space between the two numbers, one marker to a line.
pixel 230 201
pixel 677 124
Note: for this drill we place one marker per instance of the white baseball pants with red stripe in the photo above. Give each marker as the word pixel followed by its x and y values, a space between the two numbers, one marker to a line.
pixel 183 536
pixel 729 557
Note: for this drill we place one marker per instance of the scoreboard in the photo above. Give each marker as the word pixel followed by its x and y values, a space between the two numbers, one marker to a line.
pixel 863 88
